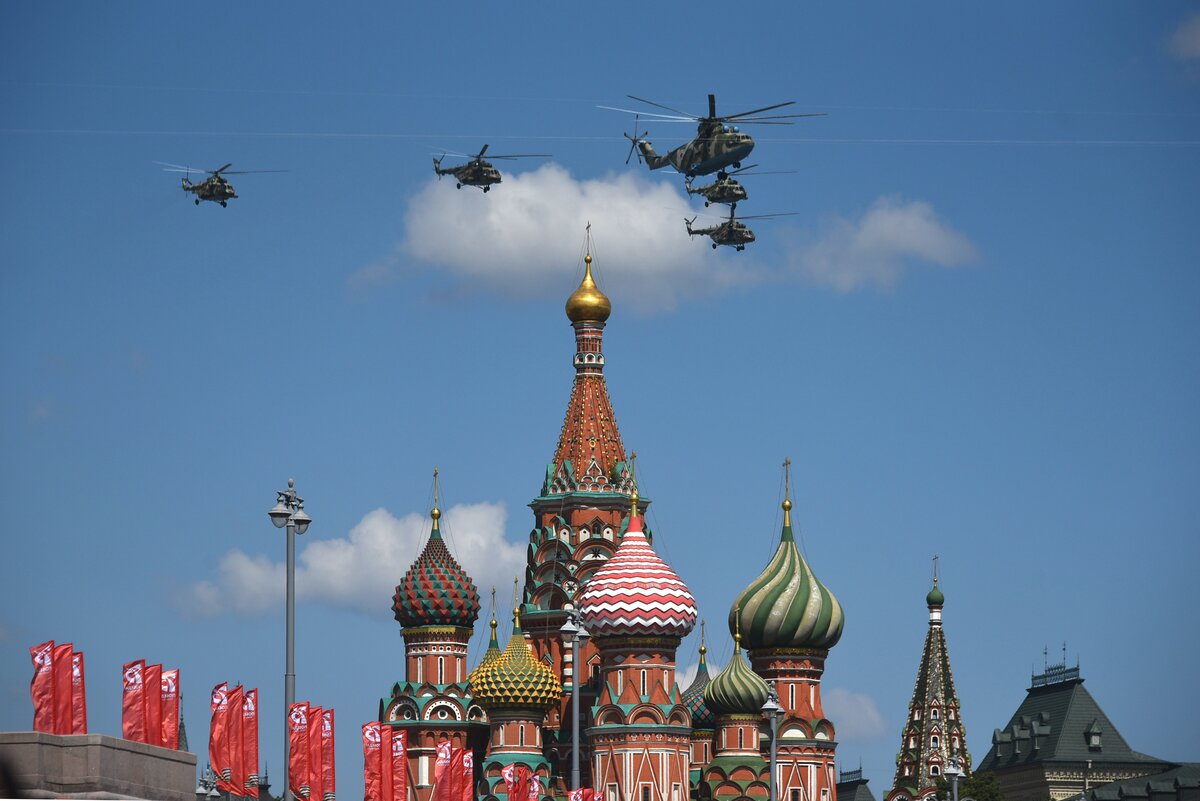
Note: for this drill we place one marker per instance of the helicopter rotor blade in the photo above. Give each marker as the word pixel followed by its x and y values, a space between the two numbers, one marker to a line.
pixel 219 170
pixel 484 150
pixel 657 117
pixel 668 108
pixel 524 156
pixel 248 172
pixel 756 111
pixel 177 167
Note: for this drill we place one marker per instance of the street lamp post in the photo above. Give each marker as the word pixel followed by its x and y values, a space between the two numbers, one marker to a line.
pixel 574 634
pixel 771 711
pixel 289 511
pixel 955 772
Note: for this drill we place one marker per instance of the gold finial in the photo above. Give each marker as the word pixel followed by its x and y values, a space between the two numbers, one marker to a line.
pixel 493 610
pixel 737 628
pixel 435 512
pixel 703 647
pixel 633 494
pixel 516 590
pixel 787 492
pixel 935 572
pixel 588 304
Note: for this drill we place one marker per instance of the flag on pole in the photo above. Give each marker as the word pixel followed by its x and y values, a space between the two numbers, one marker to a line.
pixel 462 775
pixel 133 701
pixel 582 794
pixel 169 700
pixel 78 695
pixel 516 781
pixel 41 688
pixel 250 741
pixel 63 688
pixel 329 766
pixel 235 756
pixel 372 761
pixel 218 731
pixel 316 753
pixel 298 737
pixel 397 765
pixel 441 769
pixel 152 678
pixel 535 787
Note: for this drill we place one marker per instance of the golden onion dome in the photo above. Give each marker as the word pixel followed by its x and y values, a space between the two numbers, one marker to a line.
pixel 515 678
pixel 588 304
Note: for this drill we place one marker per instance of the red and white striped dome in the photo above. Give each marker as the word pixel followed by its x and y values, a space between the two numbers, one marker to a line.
pixel 637 594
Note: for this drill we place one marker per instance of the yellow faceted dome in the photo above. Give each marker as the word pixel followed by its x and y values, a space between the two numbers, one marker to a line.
pixel 588 304
pixel 515 678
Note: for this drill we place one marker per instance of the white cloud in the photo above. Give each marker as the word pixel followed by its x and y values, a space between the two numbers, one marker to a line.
pixel 360 571
pixel 530 228
pixel 873 250
pixel 1185 42
pixel 854 714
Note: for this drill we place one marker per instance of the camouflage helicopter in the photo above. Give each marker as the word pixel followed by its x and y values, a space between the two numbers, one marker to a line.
pixel 718 144
pixel 726 189
pixel 216 187
pixel 478 172
pixel 732 232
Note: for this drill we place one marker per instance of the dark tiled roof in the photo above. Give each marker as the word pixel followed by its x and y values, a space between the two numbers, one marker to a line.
pixel 1185 777
pixel 854 790
pixel 1053 724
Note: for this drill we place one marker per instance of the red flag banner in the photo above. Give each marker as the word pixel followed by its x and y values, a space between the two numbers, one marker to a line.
pixel 169 699
pixel 218 730
pixel 250 741
pixel 372 762
pixel 316 753
pixel 516 782
pixel 133 701
pixel 298 738
pixel 582 794
pixel 152 677
pixel 235 756
pixel 398 764
pixel 441 769
pixel 462 775
pixel 78 695
pixel 41 688
pixel 535 787
pixel 329 766
pixel 63 689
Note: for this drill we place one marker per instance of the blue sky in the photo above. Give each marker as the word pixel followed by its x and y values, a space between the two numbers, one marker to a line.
pixel 977 337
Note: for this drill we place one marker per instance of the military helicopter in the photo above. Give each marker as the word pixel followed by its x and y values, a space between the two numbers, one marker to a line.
pixel 478 172
pixel 216 187
pixel 732 232
pixel 727 189
pixel 718 143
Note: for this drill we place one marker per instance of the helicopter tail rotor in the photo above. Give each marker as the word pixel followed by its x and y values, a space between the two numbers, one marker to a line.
pixel 635 139
pixel 437 166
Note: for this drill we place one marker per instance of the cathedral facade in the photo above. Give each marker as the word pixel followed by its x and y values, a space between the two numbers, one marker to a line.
pixel 591 559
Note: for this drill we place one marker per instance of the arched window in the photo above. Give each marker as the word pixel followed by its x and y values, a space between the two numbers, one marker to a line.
pixel 441 670
pixel 643 682
pixel 934 770
pixel 521 736
pixel 934 742
pixel 933 713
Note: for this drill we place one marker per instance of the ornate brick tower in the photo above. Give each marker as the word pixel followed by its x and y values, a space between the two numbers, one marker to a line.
pixel 933 733
pixel 703 720
pixel 736 696
pixel 437 604
pixel 516 690
pixel 637 610
pixel 580 514
pixel 789 621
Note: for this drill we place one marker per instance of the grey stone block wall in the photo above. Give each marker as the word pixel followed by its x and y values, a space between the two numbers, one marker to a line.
pixel 96 766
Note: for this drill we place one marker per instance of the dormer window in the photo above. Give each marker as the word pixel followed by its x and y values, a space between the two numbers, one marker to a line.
pixel 934 742
pixel 933 713
pixel 1091 735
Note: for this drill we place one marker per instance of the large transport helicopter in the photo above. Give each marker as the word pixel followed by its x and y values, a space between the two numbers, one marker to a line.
pixel 733 232
pixel 478 172
pixel 719 143
pixel 216 187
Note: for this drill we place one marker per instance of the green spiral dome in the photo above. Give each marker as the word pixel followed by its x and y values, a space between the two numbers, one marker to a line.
pixel 786 607
pixel 737 690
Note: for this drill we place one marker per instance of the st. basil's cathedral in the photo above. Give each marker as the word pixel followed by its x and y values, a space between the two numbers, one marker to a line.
pixel 591 559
